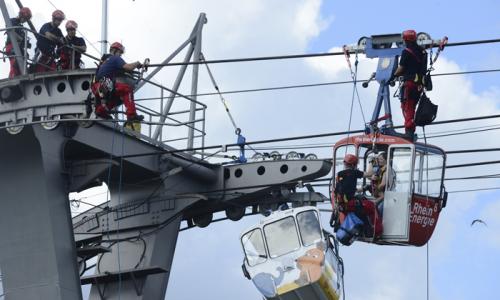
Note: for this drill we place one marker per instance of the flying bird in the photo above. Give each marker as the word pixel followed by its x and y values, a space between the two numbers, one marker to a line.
pixel 478 221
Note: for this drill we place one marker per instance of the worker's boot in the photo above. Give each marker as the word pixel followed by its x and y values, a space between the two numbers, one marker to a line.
pixel 410 134
pixel 135 118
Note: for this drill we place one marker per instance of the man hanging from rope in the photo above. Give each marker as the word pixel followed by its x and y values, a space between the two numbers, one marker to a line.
pixel 111 80
pixel 49 37
pixel 20 35
pixel 412 66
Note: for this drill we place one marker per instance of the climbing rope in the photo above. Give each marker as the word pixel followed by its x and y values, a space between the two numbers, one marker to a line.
pixel 354 77
pixel 427 202
pixel 241 140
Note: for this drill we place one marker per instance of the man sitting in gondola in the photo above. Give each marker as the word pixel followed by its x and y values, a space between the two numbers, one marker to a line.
pixel 349 202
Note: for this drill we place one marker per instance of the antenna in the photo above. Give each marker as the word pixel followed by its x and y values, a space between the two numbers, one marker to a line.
pixel 104 28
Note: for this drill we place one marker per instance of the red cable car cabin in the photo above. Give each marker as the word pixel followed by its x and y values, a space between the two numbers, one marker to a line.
pixel 414 192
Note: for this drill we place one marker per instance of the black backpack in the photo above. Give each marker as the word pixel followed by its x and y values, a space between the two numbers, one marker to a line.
pixel 426 111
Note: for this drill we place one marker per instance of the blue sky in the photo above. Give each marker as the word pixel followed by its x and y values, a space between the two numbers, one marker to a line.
pixel 463 260
pixel 459 20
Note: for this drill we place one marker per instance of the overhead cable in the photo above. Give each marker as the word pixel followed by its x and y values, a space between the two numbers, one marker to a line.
pixel 295 56
pixel 303 137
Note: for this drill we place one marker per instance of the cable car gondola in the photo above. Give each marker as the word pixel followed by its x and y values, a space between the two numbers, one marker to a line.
pixel 288 256
pixel 414 193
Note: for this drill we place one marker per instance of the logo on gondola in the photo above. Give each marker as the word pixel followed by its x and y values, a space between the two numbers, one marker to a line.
pixel 423 215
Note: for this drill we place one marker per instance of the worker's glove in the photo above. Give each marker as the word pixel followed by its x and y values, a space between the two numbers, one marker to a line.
pixel 139 65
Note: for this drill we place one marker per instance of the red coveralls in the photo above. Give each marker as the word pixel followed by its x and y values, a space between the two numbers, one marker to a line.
pixel 122 92
pixel 14 69
pixel 412 85
pixel 45 63
pixel 65 61
pixel 411 95
pixel 368 208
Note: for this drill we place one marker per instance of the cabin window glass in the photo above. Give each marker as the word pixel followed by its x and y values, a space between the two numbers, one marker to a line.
pixel 430 173
pixel 253 244
pixel 341 152
pixel 399 173
pixel 281 237
pixel 309 227
pixel 339 156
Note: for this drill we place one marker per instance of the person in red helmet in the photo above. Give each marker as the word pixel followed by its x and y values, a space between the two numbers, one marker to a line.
pixel 20 35
pixel 344 194
pixel 112 70
pixel 49 37
pixel 412 67
pixel 73 48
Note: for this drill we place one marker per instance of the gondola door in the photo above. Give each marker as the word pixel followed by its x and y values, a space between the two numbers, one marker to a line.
pixel 398 192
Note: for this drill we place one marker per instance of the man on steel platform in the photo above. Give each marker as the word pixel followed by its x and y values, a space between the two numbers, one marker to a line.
pixel 113 70
pixel 49 37
pixel 73 48
pixel 20 35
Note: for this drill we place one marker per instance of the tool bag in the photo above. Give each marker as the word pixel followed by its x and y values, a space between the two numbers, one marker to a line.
pixel 350 229
pixel 426 112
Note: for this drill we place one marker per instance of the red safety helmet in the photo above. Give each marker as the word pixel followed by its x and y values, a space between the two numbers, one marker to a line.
pixel 71 25
pixel 58 14
pixel 351 159
pixel 25 13
pixel 117 46
pixel 409 35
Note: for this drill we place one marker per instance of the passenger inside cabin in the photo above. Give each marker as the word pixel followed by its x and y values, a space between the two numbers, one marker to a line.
pixel 378 169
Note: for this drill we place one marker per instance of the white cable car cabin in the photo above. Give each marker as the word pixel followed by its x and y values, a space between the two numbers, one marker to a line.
pixel 414 192
pixel 288 256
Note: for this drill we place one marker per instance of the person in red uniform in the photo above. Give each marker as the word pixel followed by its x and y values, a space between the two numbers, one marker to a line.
pixel 345 190
pixel 412 66
pixel 20 35
pixel 49 37
pixel 112 70
pixel 74 47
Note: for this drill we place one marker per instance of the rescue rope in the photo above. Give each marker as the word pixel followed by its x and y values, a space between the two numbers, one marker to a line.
pixel 120 180
pixel 237 130
pixel 354 76
pixel 427 202
pixel 222 99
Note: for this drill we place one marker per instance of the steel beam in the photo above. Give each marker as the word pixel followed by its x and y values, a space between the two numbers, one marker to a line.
pixel 194 80
pixel 195 35
pixel 37 247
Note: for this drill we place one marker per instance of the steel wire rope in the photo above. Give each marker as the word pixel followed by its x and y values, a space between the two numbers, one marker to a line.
pixel 303 137
pixel 310 85
pixel 171 218
pixel 295 56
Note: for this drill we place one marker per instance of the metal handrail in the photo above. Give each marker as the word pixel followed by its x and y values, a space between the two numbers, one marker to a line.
pixel 151 115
